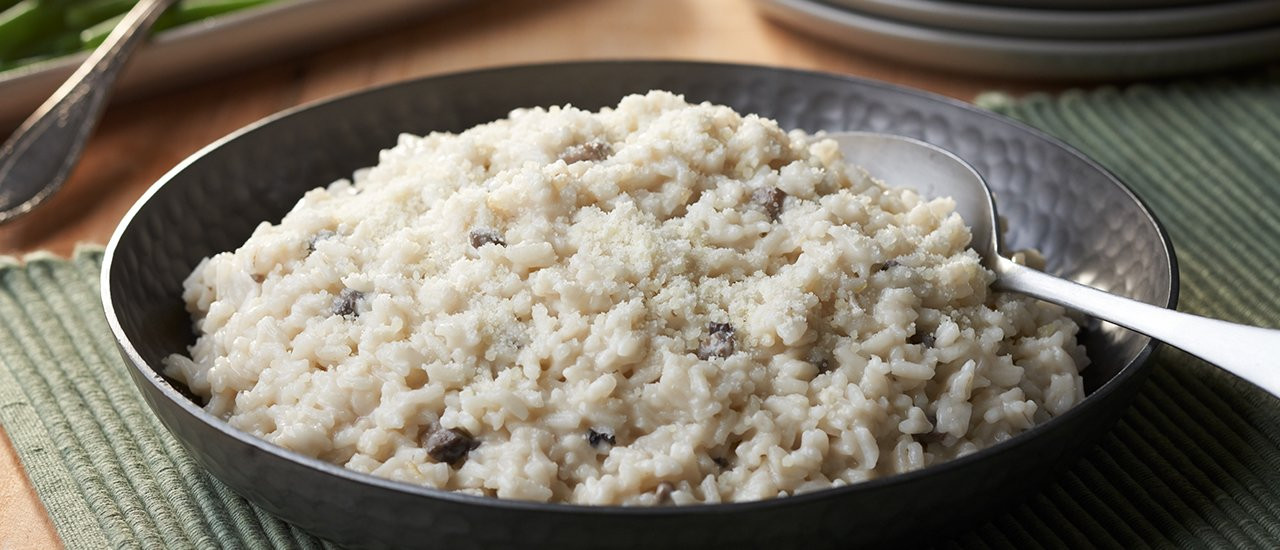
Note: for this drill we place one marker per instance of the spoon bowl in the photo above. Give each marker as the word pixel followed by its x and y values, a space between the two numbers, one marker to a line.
pixel 933 172
pixel 1248 352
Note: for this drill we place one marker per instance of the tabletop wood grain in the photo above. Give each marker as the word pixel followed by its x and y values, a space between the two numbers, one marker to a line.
pixel 139 141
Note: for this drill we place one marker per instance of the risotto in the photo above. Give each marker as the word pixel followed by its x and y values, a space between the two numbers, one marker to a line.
pixel 655 303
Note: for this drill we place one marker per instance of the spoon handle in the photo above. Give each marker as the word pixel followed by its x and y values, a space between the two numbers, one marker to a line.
pixel 1251 353
pixel 37 159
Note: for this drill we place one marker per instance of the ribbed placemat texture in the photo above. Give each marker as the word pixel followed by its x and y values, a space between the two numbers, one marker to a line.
pixel 1194 463
pixel 105 468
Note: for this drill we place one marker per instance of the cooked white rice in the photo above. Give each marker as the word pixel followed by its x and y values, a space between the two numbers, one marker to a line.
pixel 632 326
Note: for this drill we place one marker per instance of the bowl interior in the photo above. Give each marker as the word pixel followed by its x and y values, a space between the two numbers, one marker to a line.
pixel 1089 226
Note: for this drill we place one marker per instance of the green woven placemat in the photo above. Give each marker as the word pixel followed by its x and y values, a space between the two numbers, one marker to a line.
pixel 108 472
pixel 1195 462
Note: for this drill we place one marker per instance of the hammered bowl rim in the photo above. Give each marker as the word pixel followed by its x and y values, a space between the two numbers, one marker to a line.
pixel 197 413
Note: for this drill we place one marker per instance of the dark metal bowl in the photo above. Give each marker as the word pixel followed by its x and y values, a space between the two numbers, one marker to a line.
pixel 1087 223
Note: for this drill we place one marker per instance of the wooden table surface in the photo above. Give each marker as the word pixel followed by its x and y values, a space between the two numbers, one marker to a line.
pixel 139 141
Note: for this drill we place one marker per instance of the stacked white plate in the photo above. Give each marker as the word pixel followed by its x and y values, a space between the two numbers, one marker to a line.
pixel 1066 39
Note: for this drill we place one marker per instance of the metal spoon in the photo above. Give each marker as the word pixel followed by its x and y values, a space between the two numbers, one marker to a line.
pixel 38 157
pixel 1248 352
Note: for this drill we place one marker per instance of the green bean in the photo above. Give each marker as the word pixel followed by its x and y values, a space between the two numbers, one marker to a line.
pixel 187 11
pixel 94 35
pixel 85 14
pixel 183 12
pixel 25 23
pixel 35 30
pixel 62 43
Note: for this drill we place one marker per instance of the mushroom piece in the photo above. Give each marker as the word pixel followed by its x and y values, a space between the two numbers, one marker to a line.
pixel 484 235
pixel 590 151
pixel 718 343
pixel 450 445
pixel 601 441
pixel 347 302
pixel 771 199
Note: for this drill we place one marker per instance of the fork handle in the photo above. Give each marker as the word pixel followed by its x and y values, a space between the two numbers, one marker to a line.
pixel 1252 353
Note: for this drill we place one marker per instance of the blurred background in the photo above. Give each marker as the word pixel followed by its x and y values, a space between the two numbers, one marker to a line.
pixel 216 65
